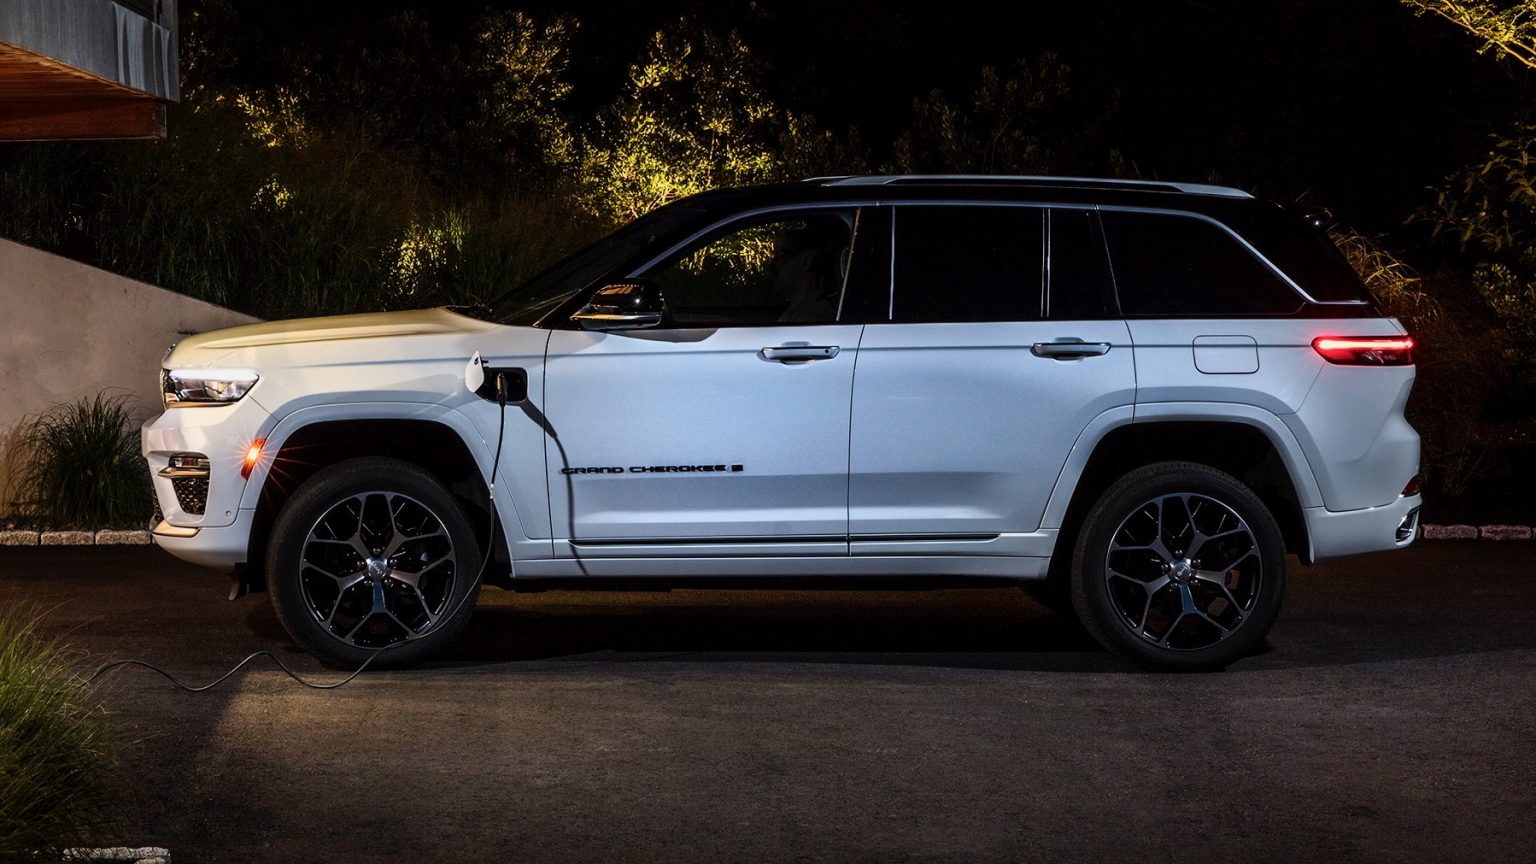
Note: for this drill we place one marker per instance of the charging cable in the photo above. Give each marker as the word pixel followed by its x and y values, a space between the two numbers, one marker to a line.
pixel 490 552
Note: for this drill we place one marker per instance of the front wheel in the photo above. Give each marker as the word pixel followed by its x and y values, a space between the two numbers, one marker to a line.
pixel 1179 566
pixel 373 557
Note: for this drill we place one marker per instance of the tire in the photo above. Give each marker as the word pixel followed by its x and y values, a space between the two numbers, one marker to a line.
pixel 411 601
pixel 1192 613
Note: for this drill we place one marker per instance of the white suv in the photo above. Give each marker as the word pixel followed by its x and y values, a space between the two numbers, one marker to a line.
pixel 1132 398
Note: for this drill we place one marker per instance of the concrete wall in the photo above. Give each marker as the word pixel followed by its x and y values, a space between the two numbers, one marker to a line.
pixel 68 330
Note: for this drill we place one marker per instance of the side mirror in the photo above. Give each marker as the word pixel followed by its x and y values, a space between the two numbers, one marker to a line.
pixel 627 305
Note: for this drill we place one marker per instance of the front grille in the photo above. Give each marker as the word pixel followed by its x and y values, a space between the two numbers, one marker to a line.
pixel 191 494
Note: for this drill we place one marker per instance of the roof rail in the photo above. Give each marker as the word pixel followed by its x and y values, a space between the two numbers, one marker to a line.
pixel 1032 180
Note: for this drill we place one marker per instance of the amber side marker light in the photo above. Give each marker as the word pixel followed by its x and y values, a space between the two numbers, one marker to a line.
pixel 1365 350
pixel 252 456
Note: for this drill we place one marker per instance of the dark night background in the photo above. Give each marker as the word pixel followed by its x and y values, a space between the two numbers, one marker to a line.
pixel 1359 105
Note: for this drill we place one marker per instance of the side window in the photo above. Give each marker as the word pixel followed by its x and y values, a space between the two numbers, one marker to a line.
pixel 968 263
pixel 1078 284
pixel 787 268
pixel 1179 265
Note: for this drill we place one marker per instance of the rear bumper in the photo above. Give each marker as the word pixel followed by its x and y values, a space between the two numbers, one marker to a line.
pixel 1335 534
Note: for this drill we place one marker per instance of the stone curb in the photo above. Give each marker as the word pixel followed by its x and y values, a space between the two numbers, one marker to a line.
pixel 121 855
pixel 108 537
pixel 104 537
pixel 18 538
pixel 1475 532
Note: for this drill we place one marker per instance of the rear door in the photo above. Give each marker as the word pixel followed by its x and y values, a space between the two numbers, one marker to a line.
pixel 992 358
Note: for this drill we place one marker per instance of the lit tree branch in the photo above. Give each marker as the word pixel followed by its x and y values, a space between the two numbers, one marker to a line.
pixel 1509 31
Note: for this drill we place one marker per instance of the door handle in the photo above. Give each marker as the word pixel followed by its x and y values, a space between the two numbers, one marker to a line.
pixel 800 353
pixel 1069 350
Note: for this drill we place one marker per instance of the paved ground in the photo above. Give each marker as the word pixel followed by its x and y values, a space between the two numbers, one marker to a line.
pixel 1392 720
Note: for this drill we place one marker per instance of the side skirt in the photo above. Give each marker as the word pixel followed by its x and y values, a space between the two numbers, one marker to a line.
pixel 1000 567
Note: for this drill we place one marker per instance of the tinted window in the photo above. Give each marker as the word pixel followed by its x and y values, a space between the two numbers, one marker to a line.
pixel 1180 265
pixel 968 264
pixel 1305 253
pixel 787 268
pixel 1078 284
pixel 530 301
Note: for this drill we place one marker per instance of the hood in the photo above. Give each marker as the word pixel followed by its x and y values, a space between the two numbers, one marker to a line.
pixel 207 347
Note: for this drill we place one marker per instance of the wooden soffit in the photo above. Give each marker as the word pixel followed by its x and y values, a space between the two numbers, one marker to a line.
pixel 42 99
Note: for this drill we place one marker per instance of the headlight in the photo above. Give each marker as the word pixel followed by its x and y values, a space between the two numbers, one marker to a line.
pixel 186 387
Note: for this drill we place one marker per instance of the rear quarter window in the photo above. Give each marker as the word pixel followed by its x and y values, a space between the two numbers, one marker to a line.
pixel 1174 265
pixel 1305 253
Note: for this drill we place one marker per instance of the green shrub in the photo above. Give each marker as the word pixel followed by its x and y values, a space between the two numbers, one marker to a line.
pixel 82 465
pixel 55 747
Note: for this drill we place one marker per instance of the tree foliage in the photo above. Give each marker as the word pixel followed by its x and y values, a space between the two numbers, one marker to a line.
pixel 1507 30
pixel 1489 206
pixel 525 65
pixel 1002 128
pixel 692 116
pixel 1489 209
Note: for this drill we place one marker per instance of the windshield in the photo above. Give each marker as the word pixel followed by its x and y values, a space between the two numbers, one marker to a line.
pixel 537 297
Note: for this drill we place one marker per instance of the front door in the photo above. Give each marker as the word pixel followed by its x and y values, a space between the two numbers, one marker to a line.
pixel 725 429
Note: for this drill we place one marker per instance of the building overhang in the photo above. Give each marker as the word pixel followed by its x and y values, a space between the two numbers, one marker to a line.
pixel 86 69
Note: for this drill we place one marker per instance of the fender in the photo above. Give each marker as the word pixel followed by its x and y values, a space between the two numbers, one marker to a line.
pixel 1280 435
pixel 514 518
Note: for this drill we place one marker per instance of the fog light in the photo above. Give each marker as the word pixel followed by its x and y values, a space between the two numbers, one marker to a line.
pixel 252 456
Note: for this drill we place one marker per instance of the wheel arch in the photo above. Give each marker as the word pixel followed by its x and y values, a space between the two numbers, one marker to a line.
pixel 313 443
pixel 1252 445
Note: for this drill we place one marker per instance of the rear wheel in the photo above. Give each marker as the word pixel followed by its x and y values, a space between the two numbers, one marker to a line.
pixel 1179 566
pixel 373 554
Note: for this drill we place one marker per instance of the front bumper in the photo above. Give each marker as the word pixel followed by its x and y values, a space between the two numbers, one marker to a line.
pixel 222 433
pixel 219 536
pixel 223 546
pixel 1335 534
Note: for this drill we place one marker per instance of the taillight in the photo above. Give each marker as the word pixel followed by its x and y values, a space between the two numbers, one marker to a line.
pixel 1365 350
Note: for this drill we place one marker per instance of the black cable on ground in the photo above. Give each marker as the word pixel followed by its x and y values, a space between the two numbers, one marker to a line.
pixel 485 561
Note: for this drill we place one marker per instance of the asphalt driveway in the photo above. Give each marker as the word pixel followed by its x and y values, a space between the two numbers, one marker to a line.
pixel 1391 720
